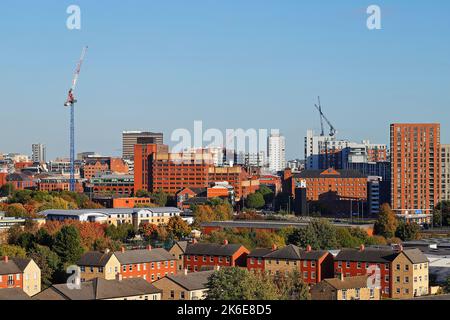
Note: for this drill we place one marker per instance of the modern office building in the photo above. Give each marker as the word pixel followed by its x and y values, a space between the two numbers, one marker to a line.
pixel 130 138
pixel 415 167
pixel 445 169
pixel 38 152
pixel 277 152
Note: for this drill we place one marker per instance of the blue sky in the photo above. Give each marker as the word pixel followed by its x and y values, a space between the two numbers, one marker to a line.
pixel 159 65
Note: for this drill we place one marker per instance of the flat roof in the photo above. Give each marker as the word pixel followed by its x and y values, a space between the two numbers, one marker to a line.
pixel 273 224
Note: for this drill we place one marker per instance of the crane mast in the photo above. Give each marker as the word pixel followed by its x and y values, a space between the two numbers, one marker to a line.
pixel 70 102
pixel 323 117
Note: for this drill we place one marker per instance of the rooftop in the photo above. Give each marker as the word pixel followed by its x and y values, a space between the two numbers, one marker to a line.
pixel 192 281
pixel 212 249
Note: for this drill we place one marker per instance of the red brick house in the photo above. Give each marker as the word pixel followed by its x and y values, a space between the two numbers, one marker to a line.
pixel 200 256
pixel 150 264
pixel 313 265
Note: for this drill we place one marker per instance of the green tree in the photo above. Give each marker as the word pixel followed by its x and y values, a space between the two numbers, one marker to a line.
pixel 12 251
pixel 142 194
pixel 68 245
pixel 387 222
pixel 48 262
pixel 441 214
pixel 122 232
pixel 319 234
pixel 160 198
pixel 407 231
pixel 239 284
pixel 267 193
pixel 255 201
pixel 446 286
pixel 7 190
pixel 292 286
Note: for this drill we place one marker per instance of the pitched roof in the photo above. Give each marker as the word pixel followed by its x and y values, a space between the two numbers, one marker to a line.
pixel 415 256
pixel 212 249
pixel 182 245
pixel 292 252
pixel 99 289
pixel 366 255
pixel 13 266
pixel 143 256
pixel 13 294
pixel 348 282
pixel 94 258
pixel 193 280
pixel 259 253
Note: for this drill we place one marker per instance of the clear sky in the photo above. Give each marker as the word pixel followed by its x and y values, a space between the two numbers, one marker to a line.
pixel 161 64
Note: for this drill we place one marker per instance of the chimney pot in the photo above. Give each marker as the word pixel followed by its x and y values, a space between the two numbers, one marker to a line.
pixel 362 247
pixel 149 248
pixel 6 259
pixel 274 247
pixel 225 242
pixel 122 249
pixel 185 272
pixel 308 248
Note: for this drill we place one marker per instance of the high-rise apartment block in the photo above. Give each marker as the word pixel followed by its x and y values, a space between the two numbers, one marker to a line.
pixel 277 152
pixel 415 167
pixel 130 138
pixel 38 153
pixel 445 165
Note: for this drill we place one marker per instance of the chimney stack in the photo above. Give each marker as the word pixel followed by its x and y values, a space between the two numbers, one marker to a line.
pixel 149 248
pixel 341 276
pixel 6 259
pixel 274 247
pixel 225 242
pixel 106 251
pixel 308 248
pixel 119 277
pixel 122 249
pixel 185 272
pixel 194 241
pixel 362 247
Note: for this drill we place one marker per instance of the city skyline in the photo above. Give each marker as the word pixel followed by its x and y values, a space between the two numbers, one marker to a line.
pixel 263 63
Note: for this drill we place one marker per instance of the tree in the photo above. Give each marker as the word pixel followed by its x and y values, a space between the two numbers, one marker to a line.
pixel 447 285
pixel 239 284
pixel 441 214
pixel 255 201
pixel 12 251
pixel 387 223
pixel 148 231
pixel 122 232
pixel 68 246
pixel 6 190
pixel 319 234
pixel 177 228
pixel 16 210
pixel 292 286
pixel 408 231
pixel 48 262
pixel 267 193
pixel 142 194
pixel 264 239
pixel 160 198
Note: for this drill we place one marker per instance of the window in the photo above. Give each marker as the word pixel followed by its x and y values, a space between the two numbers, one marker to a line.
pixel 339 264
pixel 406 279
pixel 305 263
pixel 100 269
pixel 398 290
pixel 358 265
pixel 130 267
pixel 313 275
pixel 92 269
pixel 182 296
pixel 195 258
pixel 397 279
pixel 259 261
pixel 386 278
pixel 406 267
pixel 172 294
pixel 158 265
pixel 347 264
pixel 386 266
pixel 305 275
pixel 204 258
pixel 211 259
pixel 153 265
pixel 82 269
pixel 398 267
pixel 220 259
pixel 124 268
pixel 138 267
pixel 358 293
pixel 171 264
pixel 372 293
pixel 188 258
pixel 144 266
pixel 313 264
pixel 344 294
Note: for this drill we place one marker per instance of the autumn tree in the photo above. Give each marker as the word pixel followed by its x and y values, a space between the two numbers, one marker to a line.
pixel 387 223
pixel 292 287
pixel 16 210
pixel 48 261
pixel 148 230
pixel 177 228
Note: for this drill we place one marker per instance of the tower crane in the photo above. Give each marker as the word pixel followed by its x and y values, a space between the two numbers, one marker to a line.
pixel 323 117
pixel 70 102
